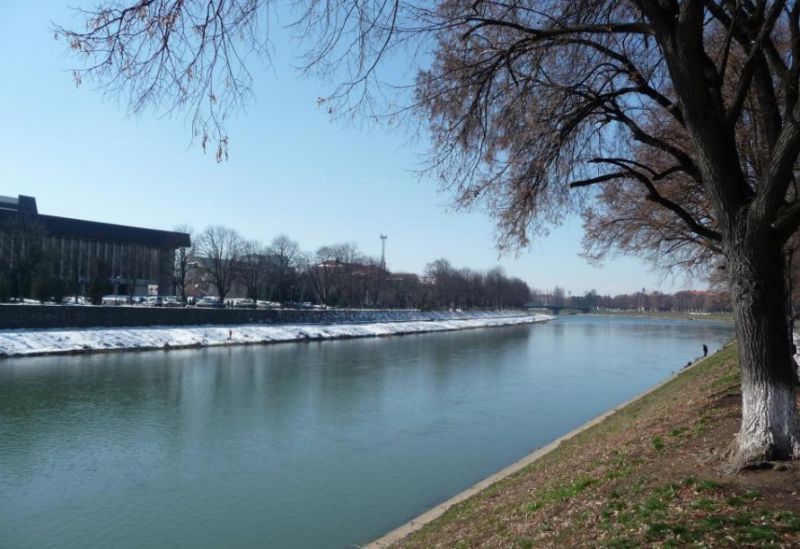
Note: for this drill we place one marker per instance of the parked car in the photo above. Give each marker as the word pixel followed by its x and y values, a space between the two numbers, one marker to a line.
pixel 24 301
pixel 153 301
pixel 172 301
pixel 240 303
pixel 208 301
pixel 75 300
pixel 114 299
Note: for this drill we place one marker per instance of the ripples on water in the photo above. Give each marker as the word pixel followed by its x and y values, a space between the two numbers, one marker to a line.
pixel 301 445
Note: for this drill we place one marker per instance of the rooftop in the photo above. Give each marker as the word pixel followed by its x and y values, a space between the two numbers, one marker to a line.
pixel 90 230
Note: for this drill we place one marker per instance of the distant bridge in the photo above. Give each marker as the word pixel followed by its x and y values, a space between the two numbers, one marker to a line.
pixel 556 309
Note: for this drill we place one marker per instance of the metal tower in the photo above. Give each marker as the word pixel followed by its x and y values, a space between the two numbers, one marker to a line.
pixel 383 251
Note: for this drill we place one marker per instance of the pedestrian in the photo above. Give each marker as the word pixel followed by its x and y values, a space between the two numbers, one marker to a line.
pixel 705 350
pixel 230 335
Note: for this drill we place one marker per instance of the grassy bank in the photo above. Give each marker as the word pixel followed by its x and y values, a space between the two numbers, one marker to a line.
pixel 651 474
pixel 672 315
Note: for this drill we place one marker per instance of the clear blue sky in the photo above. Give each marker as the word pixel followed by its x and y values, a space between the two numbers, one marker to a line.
pixel 291 170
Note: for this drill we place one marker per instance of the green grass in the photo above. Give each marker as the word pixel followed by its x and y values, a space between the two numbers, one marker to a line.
pixel 560 494
pixel 690 521
pixel 657 443
pixel 678 432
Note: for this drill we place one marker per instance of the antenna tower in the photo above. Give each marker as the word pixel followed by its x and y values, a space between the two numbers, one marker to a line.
pixel 383 251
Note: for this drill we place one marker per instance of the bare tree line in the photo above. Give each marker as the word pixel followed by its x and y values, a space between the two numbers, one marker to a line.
pixel 701 301
pixel 221 262
pixel 340 275
pixel 224 263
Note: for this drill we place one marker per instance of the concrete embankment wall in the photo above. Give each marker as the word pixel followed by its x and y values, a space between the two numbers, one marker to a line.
pixel 57 316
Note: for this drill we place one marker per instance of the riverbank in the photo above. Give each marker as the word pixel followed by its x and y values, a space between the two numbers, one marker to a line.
pixel 15 343
pixel 668 315
pixel 648 474
pixel 59 317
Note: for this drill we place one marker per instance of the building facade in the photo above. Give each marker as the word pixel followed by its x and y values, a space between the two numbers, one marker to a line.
pixel 133 259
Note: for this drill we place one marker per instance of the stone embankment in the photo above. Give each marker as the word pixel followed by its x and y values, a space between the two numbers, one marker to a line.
pixel 59 316
pixel 321 325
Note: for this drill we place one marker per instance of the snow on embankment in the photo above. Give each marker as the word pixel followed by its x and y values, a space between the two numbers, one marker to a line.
pixel 38 342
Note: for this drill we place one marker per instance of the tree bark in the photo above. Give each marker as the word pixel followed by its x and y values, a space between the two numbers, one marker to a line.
pixel 769 429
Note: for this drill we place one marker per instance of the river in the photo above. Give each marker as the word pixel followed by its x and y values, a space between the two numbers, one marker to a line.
pixel 324 444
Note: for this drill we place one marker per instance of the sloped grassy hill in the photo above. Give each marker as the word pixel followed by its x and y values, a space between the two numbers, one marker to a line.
pixel 650 475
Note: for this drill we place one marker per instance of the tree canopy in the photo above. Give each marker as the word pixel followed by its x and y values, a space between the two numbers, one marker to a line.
pixel 520 97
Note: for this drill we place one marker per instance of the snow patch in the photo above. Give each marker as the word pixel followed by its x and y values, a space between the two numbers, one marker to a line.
pixel 38 342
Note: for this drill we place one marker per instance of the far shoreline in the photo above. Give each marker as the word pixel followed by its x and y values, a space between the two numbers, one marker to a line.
pixel 667 315
pixel 37 343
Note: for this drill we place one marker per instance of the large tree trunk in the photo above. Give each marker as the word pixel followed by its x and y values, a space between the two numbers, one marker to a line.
pixel 769 429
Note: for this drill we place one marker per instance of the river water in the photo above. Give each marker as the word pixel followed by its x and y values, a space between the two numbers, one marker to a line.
pixel 326 444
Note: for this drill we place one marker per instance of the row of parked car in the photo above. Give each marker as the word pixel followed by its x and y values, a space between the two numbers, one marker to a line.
pixel 144 301
pixel 204 302
pixel 175 301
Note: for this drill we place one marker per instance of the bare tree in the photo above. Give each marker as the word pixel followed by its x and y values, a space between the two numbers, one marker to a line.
pixel 218 252
pixel 184 261
pixel 348 275
pixel 442 274
pixel 283 255
pixel 692 105
pixel 252 268
pixel 322 273
pixel 189 54
pixel 375 278
pixel 327 271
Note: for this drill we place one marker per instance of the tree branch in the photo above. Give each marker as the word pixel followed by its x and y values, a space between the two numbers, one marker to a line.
pixel 789 220
pixel 476 23
pixel 754 58
pixel 656 197
pixel 599 179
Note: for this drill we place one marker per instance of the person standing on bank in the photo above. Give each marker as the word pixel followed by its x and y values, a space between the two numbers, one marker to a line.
pixel 705 350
